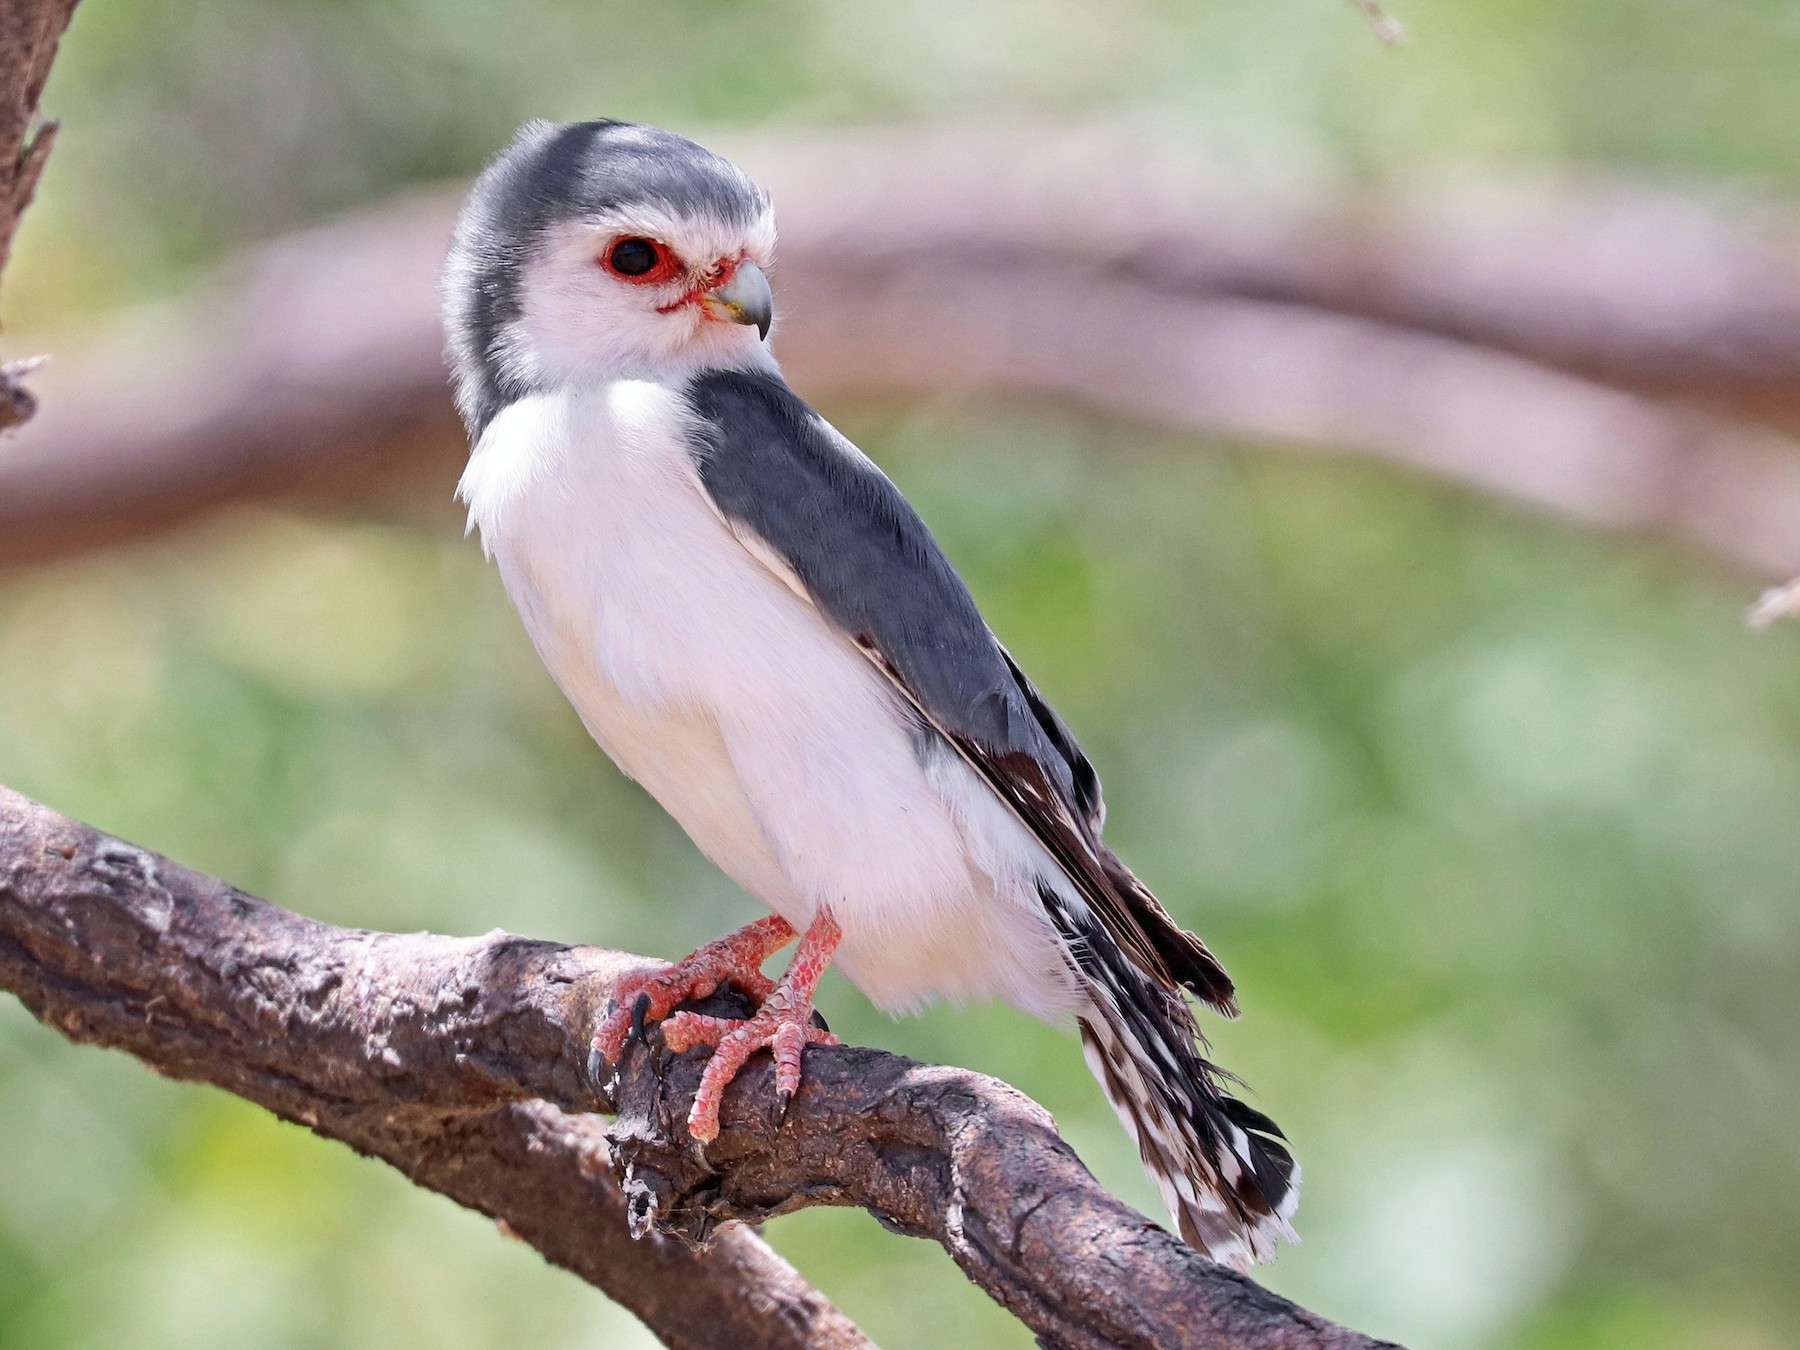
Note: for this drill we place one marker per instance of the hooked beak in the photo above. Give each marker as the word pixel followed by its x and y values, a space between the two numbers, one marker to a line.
pixel 745 298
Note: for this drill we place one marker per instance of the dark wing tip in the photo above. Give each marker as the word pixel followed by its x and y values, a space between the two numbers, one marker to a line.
pixel 1187 960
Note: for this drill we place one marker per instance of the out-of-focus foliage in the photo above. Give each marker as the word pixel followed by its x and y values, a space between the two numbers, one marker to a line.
pixel 1492 819
pixel 195 124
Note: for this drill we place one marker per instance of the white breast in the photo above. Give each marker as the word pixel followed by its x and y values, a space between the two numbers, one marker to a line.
pixel 757 725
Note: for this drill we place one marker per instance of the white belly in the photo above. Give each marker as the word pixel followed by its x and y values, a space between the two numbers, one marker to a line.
pixel 777 746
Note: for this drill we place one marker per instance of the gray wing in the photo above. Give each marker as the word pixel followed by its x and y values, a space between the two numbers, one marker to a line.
pixel 780 473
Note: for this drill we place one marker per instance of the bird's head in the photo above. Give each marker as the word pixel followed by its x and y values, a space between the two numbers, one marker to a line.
pixel 598 250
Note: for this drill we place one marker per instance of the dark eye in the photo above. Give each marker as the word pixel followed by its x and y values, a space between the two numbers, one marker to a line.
pixel 633 257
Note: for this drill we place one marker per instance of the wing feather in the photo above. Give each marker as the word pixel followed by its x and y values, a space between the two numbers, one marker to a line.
pixel 1152 939
pixel 814 510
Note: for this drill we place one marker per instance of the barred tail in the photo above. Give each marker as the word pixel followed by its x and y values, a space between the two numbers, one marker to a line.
pixel 1229 1182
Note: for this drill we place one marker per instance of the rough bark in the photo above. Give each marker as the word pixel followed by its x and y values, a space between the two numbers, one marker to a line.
pixel 1608 352
pixel 29 32
pixel 465 1064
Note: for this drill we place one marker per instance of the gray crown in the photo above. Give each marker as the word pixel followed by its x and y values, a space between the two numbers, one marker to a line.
pixel 552 173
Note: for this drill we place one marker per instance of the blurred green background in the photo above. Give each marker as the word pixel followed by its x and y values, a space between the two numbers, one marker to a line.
pixel 1492 818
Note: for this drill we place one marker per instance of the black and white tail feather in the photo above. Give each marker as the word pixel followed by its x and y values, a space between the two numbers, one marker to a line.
pixel 1231 1185
pixel 1229 1182
pixel 815 510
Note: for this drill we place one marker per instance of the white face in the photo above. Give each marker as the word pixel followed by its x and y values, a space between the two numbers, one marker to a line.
pixel 623 294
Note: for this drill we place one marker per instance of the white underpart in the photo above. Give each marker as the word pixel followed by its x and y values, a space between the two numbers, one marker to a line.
pixel 774 743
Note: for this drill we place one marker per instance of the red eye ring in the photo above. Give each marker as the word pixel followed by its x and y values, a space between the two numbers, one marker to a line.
pixel 641 261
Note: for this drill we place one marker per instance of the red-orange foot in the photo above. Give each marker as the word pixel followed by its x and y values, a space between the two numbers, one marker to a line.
pixel 783 1024
pixel 737 957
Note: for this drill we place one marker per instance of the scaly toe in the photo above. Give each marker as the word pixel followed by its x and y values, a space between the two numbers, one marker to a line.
pixel 684 1030
pixel 638 999
pixel 785 1033
pixel 736 959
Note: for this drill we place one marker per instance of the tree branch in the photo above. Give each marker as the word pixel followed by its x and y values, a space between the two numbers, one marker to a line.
pixel 29 33
pixel 464 1063
pixel 451 1060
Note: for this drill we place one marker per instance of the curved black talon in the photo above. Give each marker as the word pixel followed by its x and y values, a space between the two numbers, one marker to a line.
pixel 640 1009
pixel 818 1020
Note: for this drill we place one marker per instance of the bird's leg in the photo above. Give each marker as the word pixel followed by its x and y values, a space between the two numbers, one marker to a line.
pixel 737 958
pixel 784 1024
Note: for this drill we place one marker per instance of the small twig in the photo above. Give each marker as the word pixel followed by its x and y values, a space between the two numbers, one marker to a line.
pixel 1389 31
pixel 17 403
pixel 1773 605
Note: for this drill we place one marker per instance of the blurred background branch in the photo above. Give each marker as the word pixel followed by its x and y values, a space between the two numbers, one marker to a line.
pixel 1627 357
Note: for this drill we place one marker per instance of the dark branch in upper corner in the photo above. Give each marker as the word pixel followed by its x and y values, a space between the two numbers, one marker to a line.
pixel 463 1062
pixel 29 32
